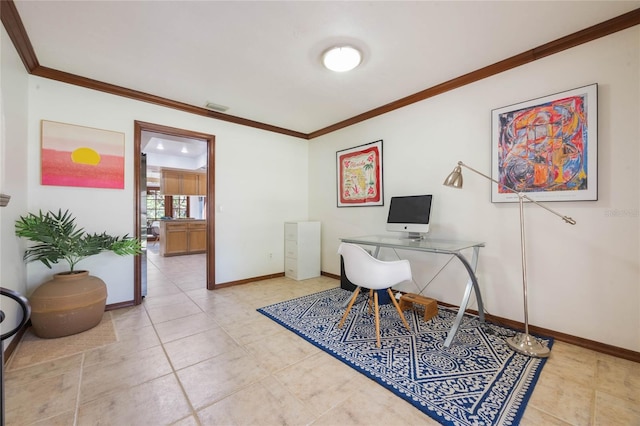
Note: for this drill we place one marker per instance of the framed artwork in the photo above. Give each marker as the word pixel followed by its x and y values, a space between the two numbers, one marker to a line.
pixel 547 147
pixel 359 177
pixel 81 156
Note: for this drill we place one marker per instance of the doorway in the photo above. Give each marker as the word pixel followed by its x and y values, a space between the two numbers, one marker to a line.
pixel 140 228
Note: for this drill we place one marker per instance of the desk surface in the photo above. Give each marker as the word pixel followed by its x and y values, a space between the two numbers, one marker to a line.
pixel 427 244
pixel 434 245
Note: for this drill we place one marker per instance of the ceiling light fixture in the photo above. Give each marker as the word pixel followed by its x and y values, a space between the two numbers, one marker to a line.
pixel 342 58
pixel 184 150
pixel 160 146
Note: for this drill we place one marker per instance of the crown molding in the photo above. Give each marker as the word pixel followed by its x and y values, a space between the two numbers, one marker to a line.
pixel 18 35
pixel 603 29
pixel 13 24
pixel 101 86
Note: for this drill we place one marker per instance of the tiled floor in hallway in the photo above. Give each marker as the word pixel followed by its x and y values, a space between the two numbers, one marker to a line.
pixel 188 356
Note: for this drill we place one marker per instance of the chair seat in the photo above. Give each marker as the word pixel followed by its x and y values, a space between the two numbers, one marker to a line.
pixel 365 271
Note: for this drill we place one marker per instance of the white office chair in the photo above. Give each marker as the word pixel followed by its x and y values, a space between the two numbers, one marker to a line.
pixel 364 270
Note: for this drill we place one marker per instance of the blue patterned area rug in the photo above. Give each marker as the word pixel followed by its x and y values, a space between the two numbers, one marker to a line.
pixel 478 380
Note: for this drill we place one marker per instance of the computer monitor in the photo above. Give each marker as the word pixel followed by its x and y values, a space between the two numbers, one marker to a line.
pixel 410 214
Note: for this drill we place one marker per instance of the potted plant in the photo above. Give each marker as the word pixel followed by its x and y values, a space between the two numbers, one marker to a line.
pixel 72 301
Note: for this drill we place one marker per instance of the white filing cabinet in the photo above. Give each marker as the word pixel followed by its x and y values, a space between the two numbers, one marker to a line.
pixel 301 250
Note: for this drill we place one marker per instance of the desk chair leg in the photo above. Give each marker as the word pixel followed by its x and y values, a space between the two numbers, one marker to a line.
pixel 395 303
pixel 353 300
pixel 370 301
pixel 375 303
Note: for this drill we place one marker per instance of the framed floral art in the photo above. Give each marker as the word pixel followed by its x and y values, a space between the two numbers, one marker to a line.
pixel 359 175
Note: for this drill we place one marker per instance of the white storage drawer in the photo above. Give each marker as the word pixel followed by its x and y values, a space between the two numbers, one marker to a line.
pixel 291 231
pixel 290 249
pixel 301 250
pixel 290 268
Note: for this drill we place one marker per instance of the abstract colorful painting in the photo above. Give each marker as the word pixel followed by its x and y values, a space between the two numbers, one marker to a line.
pixel 81 156
pixel 547 148
pixel 359 172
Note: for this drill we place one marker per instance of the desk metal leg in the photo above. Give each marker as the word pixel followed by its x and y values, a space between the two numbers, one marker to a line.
pixel 471 283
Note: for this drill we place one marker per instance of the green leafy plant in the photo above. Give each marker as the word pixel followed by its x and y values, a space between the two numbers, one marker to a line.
pixel 57 238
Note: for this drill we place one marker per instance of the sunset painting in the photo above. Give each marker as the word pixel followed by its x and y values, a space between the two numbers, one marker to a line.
pixel 82 156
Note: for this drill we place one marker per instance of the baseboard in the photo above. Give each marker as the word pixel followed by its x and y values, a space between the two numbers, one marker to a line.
pixel 327 274
pixel 557 335
pixel 119 305
pixel 562 337
pixel 248 280
pixel 14 342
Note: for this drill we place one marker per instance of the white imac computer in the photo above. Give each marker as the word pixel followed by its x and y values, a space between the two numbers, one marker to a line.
pixel 410 214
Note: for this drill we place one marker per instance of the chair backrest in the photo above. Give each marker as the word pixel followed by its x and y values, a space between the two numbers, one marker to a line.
pixel 366 271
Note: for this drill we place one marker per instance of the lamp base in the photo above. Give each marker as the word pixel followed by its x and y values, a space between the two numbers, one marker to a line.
pixel 528 345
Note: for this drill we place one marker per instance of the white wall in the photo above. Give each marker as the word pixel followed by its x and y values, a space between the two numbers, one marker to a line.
pixel 261 182
pixel 583 279
pixel 13 175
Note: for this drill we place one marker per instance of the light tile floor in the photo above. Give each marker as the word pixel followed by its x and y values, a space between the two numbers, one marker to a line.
pixel 188 356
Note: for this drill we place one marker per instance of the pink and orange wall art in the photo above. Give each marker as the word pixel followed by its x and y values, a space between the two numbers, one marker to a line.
pixel 81 156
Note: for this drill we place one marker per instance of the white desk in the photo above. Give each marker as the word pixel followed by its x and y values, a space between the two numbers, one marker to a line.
pixel 451 247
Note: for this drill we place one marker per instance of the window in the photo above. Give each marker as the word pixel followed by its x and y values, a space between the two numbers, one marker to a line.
pixel 155 204
pixel 160 205
pixel 180 206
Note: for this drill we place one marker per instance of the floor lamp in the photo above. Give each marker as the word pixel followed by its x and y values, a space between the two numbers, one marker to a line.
pixel 522 343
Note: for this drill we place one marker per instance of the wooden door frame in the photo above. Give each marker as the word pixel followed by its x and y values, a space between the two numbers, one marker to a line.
pixel 139 127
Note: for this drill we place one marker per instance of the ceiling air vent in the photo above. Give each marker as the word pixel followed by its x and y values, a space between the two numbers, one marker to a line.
pixel 216 107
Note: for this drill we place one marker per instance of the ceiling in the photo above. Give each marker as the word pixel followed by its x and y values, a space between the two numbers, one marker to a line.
pixel 262 59
pixel 161 144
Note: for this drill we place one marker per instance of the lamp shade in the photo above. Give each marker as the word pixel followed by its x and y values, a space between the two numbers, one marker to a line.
pixel 454 179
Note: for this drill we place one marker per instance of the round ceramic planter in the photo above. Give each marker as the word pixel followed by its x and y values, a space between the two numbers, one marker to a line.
pixel 67 304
